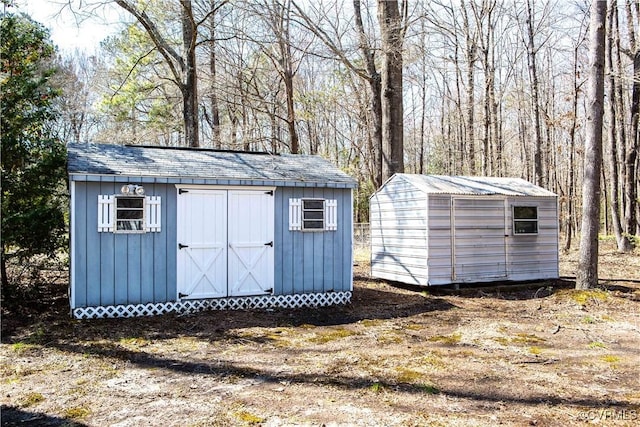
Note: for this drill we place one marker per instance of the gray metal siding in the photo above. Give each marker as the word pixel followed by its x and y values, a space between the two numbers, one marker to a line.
pixel 440 269
pixel 313 262
pixel 533 257
pixel 412 239
pixel 398 221
pixel 113 268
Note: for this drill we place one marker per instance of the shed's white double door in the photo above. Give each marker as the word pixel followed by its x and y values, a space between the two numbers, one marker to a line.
pixel 225 243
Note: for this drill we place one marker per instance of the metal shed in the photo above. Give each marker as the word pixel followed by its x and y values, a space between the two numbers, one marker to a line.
pixel 157 230
pixel 437 230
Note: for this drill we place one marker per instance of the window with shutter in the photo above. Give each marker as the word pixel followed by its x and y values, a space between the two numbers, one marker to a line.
pixel 129 214
pixel 313 215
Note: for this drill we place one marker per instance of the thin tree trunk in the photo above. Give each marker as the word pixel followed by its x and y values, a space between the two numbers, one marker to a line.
pixel 630 190
pixel 624 245
pixel 392 34
pixel 587 274
pixel 374 81
pixel 190 85
pixel 535 102
pixel 213 98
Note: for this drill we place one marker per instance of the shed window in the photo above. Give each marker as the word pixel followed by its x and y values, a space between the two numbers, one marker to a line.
pixel 313 214
pixel 525 220
pixel 128 214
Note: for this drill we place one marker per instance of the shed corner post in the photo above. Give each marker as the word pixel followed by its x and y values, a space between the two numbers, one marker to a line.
pixel 72 254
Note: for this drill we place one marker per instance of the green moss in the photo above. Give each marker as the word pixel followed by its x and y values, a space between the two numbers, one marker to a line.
pixel 332 335
pixel 31 399
pixel 447 339
pixel 248 417
pixel 76 412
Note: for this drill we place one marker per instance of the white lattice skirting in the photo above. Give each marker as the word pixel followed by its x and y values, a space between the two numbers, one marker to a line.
pixel 231 303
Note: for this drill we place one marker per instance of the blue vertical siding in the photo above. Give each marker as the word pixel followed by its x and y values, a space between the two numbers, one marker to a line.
pixel 112 269
pixel 307 262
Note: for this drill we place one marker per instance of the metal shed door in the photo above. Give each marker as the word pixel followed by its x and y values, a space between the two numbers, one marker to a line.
pixel 202 244
pixel 251 235
pixel 478 239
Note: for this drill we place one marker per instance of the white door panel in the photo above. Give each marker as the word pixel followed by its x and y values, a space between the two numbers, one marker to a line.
pixel 225 240
pixel 202 244
pixel 250 243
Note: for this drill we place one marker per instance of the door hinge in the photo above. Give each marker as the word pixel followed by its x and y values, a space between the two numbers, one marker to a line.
pixel 181 295
pixel 269 244
pixel 268 291
pixel 182 190
pixel 181 246
pixel 270 192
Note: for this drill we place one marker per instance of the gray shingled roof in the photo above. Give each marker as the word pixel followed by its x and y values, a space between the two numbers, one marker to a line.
pixel 106 159
pixel 475 185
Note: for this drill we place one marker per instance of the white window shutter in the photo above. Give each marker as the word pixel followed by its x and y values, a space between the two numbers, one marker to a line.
pixel 153 217
pixel 331 215
pixel 106 214
pixel 295 214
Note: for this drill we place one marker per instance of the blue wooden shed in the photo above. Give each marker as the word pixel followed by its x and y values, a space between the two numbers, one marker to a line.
pixel 155 230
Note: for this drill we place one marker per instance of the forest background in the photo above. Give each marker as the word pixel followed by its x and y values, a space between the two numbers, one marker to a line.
pixel 466 87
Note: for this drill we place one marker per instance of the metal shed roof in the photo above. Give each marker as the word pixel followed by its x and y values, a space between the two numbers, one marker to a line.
pixel 474 185
pixel 203 164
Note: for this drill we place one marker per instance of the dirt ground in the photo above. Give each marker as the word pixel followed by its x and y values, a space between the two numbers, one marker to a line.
pixel 540 354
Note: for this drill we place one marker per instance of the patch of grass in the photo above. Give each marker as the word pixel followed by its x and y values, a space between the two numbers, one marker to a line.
pixel 306 326
pixel 535 350
pixel 433 360
pixel 527 339
pixel 134 342
pixel 376 387
pixel 596 344
pixel 583 297
pixel 447 339
pixel 332 335
pixel 248 417
pixel 429 389
pixel 390 338
pixel 77 412
pixel 22 347
pixel 588 320
pixel 611 359
pixel 406 375
pixel 371 322
pixel 31 399
pixel 414 327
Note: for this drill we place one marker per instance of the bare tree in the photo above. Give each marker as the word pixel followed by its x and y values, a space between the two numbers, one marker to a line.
pixel 392 29
pixel 587 274
pixel 624 245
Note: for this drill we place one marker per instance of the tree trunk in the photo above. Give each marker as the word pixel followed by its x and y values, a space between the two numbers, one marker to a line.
pixel 535 103
pixel 572 150
pixel 375 84
pixel 630 190
pixel 213 98
pixel 624 245
pixel 587 274
pixel 190 85
pixel 391 30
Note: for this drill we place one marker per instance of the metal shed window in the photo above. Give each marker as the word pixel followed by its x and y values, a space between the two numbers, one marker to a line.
pixel 313 214
pixel 129 214
pixel 525 220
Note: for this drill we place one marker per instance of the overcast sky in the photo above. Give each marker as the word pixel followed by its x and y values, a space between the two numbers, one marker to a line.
pixel 67 31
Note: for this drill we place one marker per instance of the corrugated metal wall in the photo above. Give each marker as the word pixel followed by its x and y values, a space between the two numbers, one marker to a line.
pixel 435 239
pixel 398 221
